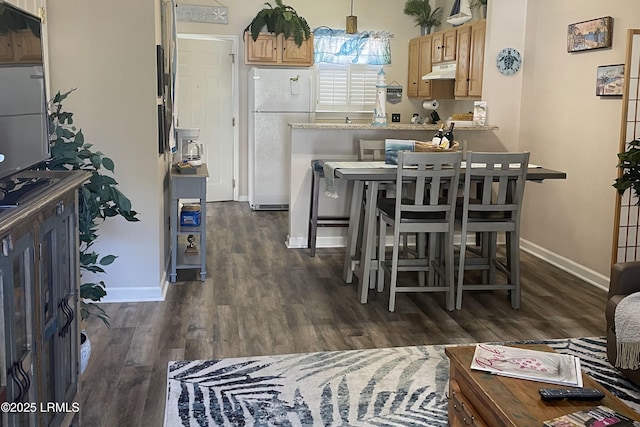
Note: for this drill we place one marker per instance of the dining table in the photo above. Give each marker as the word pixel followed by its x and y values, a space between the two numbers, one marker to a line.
pixel 366 176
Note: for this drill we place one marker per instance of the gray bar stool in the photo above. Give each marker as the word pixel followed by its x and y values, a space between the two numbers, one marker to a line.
pixel 315 221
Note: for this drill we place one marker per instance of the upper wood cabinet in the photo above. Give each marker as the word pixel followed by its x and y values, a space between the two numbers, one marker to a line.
pixel 271 49
pixel 444 46
pixel 420 50
pixel 470 60
pixel 20 46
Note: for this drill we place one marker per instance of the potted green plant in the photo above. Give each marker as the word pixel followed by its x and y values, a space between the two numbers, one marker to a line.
pixel 280 19
pixel 480 4
pixel 98 199
pixel 630 166
pixel 423 15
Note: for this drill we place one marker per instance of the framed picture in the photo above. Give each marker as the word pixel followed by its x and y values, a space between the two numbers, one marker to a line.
pixel 587 35
pixel 160 70
pixel 610 80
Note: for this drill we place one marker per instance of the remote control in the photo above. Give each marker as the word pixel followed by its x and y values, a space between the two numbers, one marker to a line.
pixel 548 394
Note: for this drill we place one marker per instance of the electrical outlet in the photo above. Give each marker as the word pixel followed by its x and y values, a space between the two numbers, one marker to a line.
pixel 395 117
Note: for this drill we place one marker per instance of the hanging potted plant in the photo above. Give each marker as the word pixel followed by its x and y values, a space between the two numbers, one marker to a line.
pixel 280 19
pixel 421 12
pixel 630 166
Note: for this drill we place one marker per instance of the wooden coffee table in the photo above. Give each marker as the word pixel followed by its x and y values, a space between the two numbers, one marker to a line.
pixel 482 399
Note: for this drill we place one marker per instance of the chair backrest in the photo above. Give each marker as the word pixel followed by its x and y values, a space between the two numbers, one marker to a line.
pixel 500 179
pixel 371 149
pixel 432 179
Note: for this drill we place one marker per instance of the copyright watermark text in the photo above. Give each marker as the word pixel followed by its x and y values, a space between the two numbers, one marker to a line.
pixel 57 407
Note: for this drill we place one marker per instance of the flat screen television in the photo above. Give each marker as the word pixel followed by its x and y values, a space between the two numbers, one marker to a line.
pixel 24 122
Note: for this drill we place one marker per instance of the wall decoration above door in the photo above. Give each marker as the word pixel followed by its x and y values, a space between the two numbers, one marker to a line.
pixel 210 14
pixel 587 35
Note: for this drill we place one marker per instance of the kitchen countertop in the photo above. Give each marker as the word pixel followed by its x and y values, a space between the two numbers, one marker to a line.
pixel 390 126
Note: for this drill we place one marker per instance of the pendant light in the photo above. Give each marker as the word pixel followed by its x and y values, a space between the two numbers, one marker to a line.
pixel 352 22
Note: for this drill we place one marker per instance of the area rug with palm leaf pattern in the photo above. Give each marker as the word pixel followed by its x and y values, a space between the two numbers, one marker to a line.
pixel 399 386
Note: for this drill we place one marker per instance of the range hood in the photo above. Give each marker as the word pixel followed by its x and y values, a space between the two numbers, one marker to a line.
pixel 441 72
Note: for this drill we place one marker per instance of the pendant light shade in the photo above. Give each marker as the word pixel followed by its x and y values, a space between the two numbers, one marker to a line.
pixel 352 22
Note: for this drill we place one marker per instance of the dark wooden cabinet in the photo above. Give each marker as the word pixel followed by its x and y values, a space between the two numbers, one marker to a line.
pixel 40 301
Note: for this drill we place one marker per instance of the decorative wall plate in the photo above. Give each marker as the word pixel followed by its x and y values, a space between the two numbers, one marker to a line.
pixel 508 61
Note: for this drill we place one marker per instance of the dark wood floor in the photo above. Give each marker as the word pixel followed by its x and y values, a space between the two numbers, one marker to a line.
pixel 262 298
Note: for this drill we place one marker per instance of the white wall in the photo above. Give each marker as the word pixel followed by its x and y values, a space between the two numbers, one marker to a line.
pixel 107 51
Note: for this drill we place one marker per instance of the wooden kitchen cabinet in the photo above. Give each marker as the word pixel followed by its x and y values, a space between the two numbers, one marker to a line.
pixel 271 49
pixel 420 50
pixel 470 60
pixel 444 46
pixel 20 46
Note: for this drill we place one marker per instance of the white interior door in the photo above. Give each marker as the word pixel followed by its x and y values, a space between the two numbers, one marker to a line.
pixel 205 100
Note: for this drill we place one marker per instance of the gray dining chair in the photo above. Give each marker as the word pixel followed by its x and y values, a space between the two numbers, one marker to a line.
pixel 498 180
pixel 429 209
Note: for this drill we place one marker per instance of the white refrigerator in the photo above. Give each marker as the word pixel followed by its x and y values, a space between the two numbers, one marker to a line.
pixel 277 97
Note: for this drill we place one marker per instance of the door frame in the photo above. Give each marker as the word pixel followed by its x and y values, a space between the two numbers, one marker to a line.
pixel 235 100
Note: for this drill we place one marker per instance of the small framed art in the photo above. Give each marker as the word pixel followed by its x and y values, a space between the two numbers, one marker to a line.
pixel 587 35
pixel 610 80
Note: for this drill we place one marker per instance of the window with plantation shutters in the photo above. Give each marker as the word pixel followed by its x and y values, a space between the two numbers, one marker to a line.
pixel 346 88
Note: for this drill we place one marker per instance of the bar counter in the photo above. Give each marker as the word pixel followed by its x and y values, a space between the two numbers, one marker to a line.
pixel 340 141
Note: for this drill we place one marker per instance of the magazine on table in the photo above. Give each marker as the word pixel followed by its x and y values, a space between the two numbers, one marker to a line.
pixel 594 417
pixel 534 365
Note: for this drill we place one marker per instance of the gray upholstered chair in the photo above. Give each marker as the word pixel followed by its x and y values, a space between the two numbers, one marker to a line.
pixel 429 209
pixel 494 208
pixel 625 280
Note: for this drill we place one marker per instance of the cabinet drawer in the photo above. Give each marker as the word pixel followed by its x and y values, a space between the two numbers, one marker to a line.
pixel 461 412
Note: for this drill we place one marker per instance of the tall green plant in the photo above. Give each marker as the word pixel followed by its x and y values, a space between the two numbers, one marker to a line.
pixel 422 13
pixel 630 166
pixel 98 199
pixel 281 19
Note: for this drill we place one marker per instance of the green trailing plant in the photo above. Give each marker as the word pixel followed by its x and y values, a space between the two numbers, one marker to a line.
pixel 98 199
pixel 281 19
pixel 629 163
pixel 422 13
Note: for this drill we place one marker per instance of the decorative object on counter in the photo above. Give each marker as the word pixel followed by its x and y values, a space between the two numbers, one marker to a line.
pixel 394 92
pixel 281 19
pixel 610 80
pixel 208 14
pixel 480 4
pixel 423 15
pixel 629 163
pixel 99 198
pixel 379 111
pixel 393 146
pixel 460 13
pixel 508 61
pixel 587 35
pixel 352 22
pixel 479 112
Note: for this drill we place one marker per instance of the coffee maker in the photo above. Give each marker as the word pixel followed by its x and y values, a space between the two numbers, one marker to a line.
pixel 189 150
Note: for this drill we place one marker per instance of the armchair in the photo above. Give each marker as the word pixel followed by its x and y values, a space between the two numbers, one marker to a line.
pixel 625 280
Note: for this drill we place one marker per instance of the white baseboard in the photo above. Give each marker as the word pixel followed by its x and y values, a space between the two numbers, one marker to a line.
pixel 138 294
pixel 592 277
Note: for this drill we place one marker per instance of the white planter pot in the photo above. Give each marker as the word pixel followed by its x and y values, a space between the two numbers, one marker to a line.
pixel 85 351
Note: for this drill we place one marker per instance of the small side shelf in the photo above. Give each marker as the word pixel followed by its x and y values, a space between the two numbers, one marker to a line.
pixel 188 186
